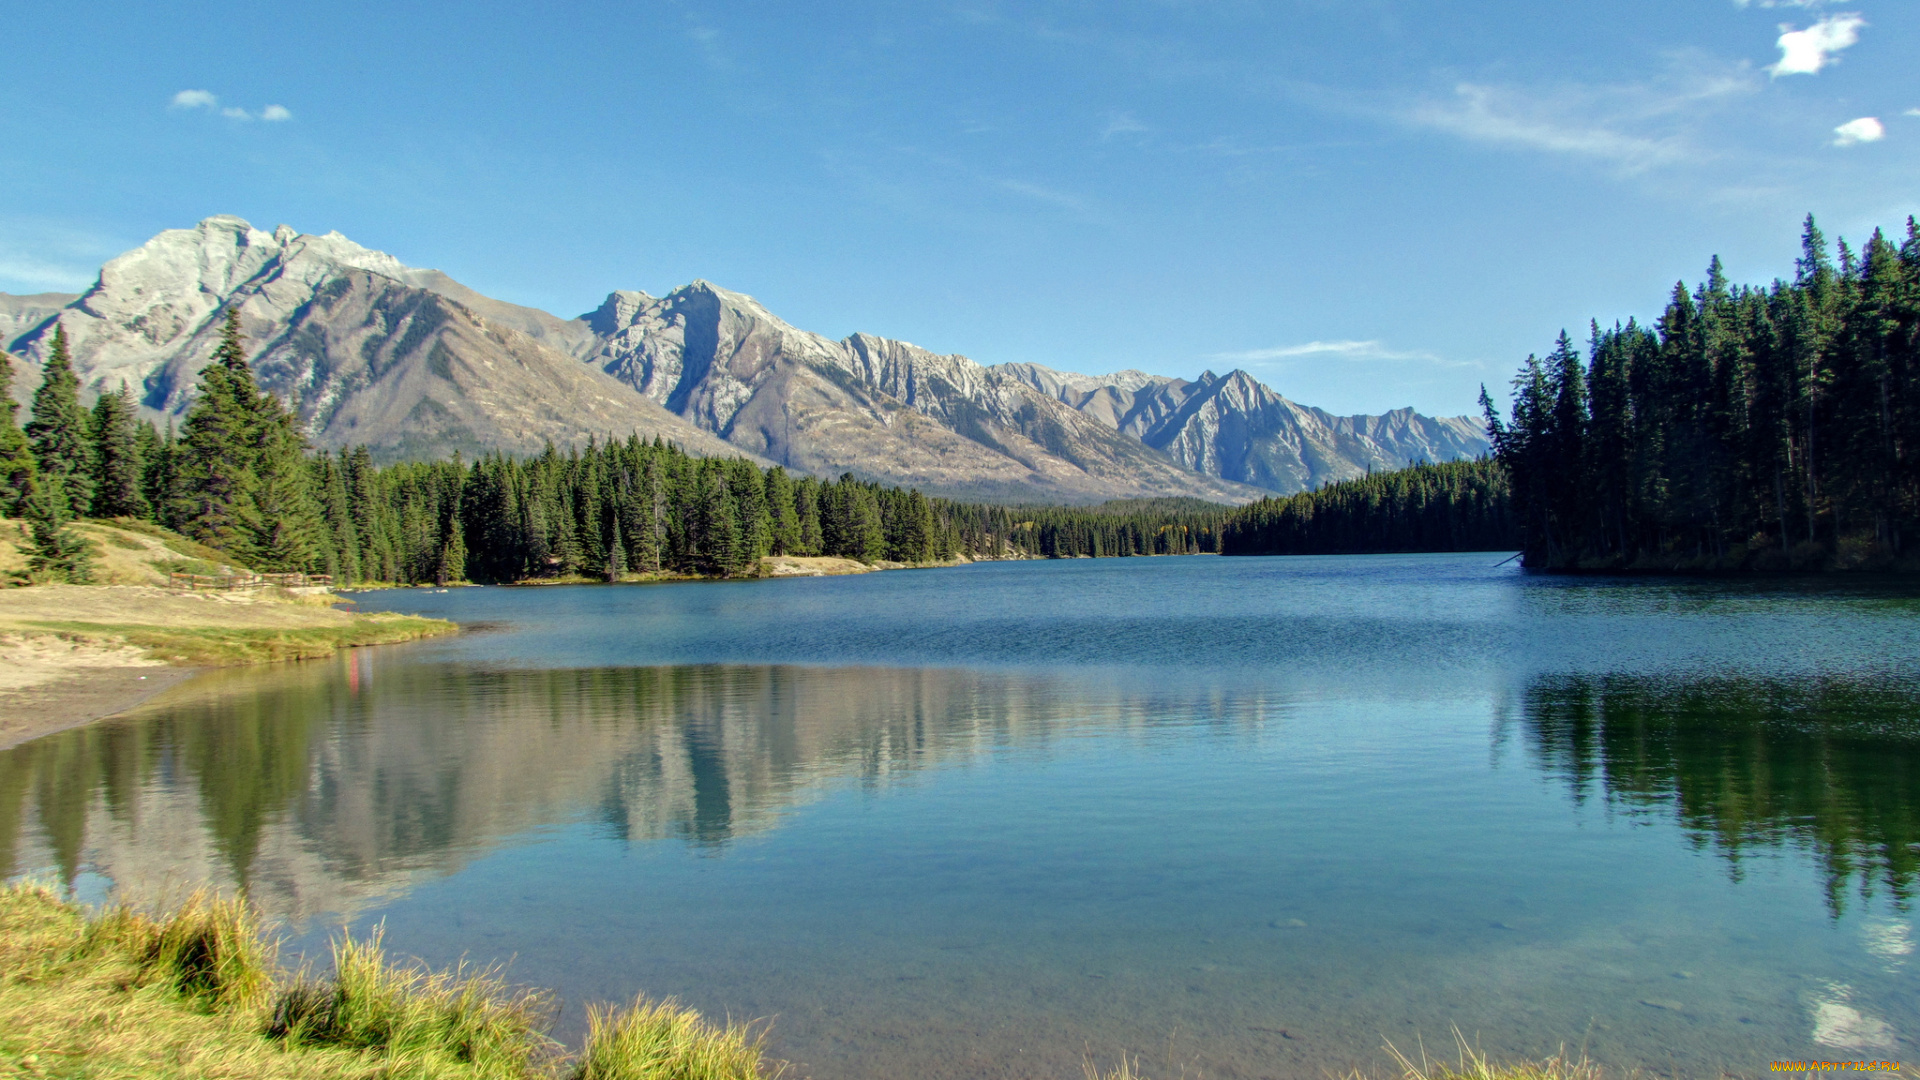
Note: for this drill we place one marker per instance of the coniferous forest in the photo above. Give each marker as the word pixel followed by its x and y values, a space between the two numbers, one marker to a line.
pixel 1455 506
pixel 240 478
pixel 1747 429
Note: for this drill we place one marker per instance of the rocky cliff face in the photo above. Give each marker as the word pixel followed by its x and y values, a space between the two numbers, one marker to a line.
pixel 414 364
pixel 365 349
pixel 1237 428
pixel 871 405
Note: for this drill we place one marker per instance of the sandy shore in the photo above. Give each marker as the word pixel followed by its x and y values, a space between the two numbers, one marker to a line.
pixel 71 654
pixel 48 684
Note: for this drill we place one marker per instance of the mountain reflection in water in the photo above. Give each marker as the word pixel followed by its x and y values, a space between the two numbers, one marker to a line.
pixel 280 780
pixel 1827 767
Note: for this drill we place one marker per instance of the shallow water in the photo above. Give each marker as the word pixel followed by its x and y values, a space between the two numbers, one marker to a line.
pixel 1242 817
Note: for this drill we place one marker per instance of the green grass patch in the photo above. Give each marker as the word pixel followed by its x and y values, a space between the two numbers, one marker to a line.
pixel 218 645
pixel 663 1039
pixel 120 993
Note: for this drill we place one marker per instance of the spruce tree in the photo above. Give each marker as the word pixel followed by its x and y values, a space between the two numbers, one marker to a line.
pixel 286 533
pixel 157 457
pixel 215 477
pixel 16 455
pixel 451 564
pixel 866 533
pixel 336 511
pixel 806 507
pixel 119 464
pixel 59 430
pixel 616 554
pixel 55 553
pixel 785 519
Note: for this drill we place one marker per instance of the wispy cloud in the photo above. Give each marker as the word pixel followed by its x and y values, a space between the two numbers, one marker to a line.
pixel 38 273
pixel 1043 195
pixel 1337 350
pixel 1864 130
pixel 1121 123
pixel 1911 112
pixel 205 99
pixel 1633 126
pixel 1487 114
pixel 1780 3
pixel 1804 52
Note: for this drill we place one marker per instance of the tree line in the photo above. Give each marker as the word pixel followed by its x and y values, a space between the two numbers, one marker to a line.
pixel 1748 428
pixel 1454 506
pixel 240 477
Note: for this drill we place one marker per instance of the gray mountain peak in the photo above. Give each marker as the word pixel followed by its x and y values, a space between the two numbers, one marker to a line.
pixel 409 361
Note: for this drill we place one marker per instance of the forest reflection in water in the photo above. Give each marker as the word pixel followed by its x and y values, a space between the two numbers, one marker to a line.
pixel 1827 767
pixel 321 787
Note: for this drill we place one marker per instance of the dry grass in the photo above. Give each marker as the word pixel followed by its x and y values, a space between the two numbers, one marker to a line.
pixel 126 552
pixel 460 1022
pixel 663 1040
pixel 1470 1065
pixel 122 994
pixel 223 645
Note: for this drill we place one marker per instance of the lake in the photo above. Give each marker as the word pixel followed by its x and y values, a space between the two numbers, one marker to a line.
pixel 1241 817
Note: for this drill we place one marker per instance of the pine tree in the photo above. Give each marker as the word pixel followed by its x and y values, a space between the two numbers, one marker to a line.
pixel 59 428
pixel 866 533
pixel 780 507
pixel 55 553
pixel 617 554
pixel 119 465
pixel 451 565
pixel 336 512
pixel 806 506
pixel 285 530
pixel 216 471
pixel 158 450
pixel 16 454
pixel 654 502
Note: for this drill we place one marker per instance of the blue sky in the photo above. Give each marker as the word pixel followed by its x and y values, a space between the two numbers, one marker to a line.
pixel 1366 203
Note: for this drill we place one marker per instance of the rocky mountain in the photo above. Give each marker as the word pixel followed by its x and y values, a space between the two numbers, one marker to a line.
pixel 871 405
pixel 364 348
pixel 414 364
pixel 1237 428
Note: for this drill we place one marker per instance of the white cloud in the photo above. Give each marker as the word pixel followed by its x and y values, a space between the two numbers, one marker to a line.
pixel 1781 3
pixel 1339 350
pixel 1043 195
pixel 206 99
pixel 1912 112
pixel 1122 124
pixel 1491 115
pixel 1865 129
pixel 1636 126
pixel 1803 52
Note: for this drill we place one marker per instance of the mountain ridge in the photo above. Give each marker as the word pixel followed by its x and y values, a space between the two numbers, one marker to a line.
pixel 411 362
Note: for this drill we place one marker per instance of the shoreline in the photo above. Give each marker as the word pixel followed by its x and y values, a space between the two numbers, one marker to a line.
pixel 74 654
pixel 79 696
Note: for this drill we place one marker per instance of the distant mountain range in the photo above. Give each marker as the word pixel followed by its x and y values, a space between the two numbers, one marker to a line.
pixel 414 364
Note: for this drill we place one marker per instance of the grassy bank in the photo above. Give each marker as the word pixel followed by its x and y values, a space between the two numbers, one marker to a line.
pixel 196 993
pixel 205 646
pixel 203 629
